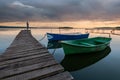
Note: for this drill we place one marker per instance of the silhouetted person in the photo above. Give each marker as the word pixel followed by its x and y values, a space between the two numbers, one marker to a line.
pixel 27 23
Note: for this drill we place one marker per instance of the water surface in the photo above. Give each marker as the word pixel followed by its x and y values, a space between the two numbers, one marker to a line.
pixel 102 65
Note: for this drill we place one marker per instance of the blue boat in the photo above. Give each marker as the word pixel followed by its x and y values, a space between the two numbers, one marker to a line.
pixel 57 37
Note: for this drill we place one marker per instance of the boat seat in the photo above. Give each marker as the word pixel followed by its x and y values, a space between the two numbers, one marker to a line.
pixel 99 41
pixel 87 44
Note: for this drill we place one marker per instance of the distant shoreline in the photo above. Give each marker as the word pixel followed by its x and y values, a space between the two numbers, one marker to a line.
pixel 45 27
pixel 37 27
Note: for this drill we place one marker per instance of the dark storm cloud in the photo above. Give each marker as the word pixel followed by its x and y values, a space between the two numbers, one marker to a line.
pixel 59 10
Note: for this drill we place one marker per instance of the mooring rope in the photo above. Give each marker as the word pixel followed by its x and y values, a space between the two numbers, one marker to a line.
pixel 54 51
pixel 43 37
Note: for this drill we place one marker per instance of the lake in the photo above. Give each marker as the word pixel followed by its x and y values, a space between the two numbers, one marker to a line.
pixel 103 65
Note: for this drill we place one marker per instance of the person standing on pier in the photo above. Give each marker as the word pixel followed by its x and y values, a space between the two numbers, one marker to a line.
pixel 27 23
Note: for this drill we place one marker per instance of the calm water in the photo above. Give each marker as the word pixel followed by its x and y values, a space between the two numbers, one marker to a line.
pixel 102 65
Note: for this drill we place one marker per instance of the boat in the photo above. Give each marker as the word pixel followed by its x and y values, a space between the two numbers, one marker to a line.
pixel 58 37
pixel 53 45
pixel 85 45
pixel 79 61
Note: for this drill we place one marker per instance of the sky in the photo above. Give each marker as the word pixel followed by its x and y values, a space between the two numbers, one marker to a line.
pixel 76 13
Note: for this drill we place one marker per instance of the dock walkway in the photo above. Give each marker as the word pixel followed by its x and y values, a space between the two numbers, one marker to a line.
pixel 27 59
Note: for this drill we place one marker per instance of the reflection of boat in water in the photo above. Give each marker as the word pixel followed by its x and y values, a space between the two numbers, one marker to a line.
pixel 79 61
pixel 53 45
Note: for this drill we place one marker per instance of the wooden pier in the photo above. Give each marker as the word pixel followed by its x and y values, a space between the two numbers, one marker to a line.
pixel 27 59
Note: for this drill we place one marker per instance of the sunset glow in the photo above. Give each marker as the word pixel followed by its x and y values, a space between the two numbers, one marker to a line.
pixel 76 24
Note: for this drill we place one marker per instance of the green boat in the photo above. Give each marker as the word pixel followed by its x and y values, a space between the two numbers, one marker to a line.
pixel 85 45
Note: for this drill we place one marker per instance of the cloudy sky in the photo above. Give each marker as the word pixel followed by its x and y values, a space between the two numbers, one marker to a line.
pixel 75 12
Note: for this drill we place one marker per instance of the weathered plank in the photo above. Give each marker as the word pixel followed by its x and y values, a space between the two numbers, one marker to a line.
pixel 22 59
pixel 41 73
pixel 29 68
pixel 61 76
pixel 11 53
pixel 15 65
pixel 20 50
pixel 10 57
pixel 23 45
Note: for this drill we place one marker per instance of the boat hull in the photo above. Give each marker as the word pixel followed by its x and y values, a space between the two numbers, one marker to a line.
pixel 78 49
pixel 58 37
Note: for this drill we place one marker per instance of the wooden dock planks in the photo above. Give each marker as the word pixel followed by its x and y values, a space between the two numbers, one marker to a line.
pixel 27 59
